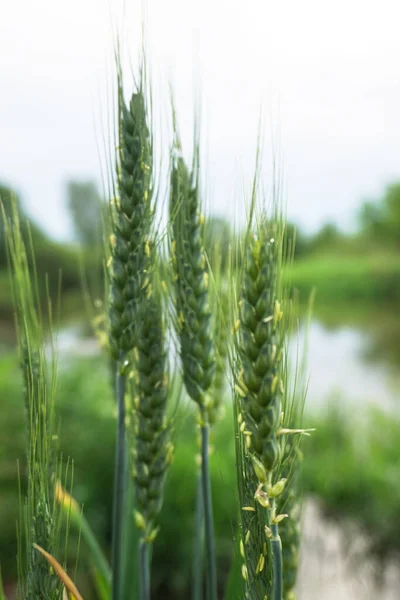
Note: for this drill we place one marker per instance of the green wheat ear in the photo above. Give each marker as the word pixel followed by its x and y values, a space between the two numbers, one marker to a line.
pixel 191 285
pixel 131 220
pixel 258 370
pixel 40 518
pixel 260 345
pixel 151 446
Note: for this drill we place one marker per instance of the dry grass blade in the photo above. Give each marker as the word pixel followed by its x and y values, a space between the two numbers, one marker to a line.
pixel 66 580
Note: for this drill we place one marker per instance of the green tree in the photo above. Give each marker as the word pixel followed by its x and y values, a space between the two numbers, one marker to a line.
pixel 380 219
pixel 294 237
pixel 84 203
pixel 7 197
pixel 391 212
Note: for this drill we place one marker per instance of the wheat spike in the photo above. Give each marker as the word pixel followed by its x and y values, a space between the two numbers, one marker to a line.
pixel 151 446
pixel 191 285
pixel 131 219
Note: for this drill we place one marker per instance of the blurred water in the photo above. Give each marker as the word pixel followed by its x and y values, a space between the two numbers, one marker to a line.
pixel 341 369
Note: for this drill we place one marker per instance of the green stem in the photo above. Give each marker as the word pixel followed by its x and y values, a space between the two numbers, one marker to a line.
pixel 276 547
pixel 198 543
pixel 144 570
pixel 130 583
pixel 208 513
pixel 119 487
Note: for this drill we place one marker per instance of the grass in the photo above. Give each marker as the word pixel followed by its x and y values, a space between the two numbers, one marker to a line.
pixel 352 467
pixel 366 279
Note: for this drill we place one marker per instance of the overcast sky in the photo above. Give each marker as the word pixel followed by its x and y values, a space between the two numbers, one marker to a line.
pixel 327 75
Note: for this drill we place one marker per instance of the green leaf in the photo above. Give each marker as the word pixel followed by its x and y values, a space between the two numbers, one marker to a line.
pixel 102 585
pixel 72 511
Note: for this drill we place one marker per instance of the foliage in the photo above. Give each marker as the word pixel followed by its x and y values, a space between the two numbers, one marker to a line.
pixel 381 219
pixel 9 198
pixel 338 278
pixel 57 265
pixel 352 467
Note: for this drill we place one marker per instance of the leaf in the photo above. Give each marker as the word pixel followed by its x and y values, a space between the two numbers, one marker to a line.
pixel 66 580
pixel 71 509
pixel 102 586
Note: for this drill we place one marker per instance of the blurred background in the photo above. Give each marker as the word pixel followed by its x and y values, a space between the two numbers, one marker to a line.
pixel 325 79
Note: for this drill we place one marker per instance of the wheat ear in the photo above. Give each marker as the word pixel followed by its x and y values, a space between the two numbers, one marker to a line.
pixel 258 377
pixel 151 446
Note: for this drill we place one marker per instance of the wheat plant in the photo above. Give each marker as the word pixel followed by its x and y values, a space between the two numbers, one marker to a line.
pixel 130 218
pixel 40 518
pixel 193 322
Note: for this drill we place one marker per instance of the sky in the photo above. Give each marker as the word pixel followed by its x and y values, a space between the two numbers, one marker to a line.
pixel 325 77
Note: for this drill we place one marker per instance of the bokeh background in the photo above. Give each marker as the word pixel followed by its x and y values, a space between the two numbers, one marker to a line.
pixel 325 79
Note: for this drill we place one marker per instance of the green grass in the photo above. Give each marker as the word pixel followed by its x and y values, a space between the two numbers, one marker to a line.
pixel 338 278
pixel 352 465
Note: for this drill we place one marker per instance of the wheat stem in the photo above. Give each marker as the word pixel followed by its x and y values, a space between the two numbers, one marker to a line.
pixel 276 548
pixel 119 486
pixel 198 543
pixel 130 586
pixel 144 570
pixel 208 514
